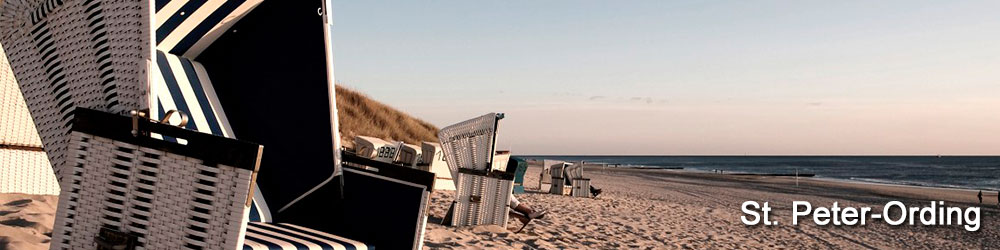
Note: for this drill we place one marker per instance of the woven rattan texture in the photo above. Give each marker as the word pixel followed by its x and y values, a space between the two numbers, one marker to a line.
pixel 490 209
pixel 16 126
pixel 581 187
pixel 168 201
pixel 469 144
pixel 21 170
pixel 69 54
pixel 26 172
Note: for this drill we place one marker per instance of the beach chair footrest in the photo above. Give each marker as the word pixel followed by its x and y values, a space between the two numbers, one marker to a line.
pixel 277 236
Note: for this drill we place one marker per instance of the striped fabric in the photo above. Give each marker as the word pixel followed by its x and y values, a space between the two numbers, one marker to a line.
pixel 267 236
pixel 182 84
pixel 186 28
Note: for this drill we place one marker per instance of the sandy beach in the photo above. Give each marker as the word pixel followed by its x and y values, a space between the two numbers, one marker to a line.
pixel 26 220
pixel 670 209
pixel 651 209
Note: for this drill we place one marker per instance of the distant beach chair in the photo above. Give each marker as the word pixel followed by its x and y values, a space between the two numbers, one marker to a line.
pixel 409 155
pixel 545 178
pixel 581 185
pixel 482 193
pixel 558 173
pixel 520 166
pixel 368 147
pixel 434 158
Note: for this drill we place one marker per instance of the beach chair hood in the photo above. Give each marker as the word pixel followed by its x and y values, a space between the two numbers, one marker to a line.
pixel 470 144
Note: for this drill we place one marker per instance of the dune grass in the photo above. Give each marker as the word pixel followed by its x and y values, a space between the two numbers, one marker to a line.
pixel 360 115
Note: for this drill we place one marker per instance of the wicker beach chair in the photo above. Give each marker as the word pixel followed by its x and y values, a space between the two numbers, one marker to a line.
pixel 99 55
pixel 557 171
pixel 69 54
pixel 368 147
pixel 580 185
pixel 24 168
pixel 433 157
pixel 483 194
pixel 128 190
pixel 518 166
pixel 409 155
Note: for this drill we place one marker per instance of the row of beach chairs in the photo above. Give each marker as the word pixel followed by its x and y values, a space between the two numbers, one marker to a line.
pixel 564 178
pixel 177 124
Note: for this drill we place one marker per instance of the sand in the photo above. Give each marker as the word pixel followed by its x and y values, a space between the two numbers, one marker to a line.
pixel 651 209
pixel 26 220
pixel 657 209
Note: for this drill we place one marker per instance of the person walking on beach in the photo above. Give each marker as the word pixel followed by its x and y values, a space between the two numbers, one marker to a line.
pixel 980 196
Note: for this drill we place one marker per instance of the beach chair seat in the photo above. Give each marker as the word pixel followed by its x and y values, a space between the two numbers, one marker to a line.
pixel 482 193
pixel 129 190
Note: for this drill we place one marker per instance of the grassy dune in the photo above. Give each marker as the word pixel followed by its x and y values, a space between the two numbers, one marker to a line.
pixel 360 115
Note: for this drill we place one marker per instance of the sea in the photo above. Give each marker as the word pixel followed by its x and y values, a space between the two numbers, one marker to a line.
pixel 967 172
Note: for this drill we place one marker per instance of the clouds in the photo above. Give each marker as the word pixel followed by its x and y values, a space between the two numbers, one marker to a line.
pixel 627 100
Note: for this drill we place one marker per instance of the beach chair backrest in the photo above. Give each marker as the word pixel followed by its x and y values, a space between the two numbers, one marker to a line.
pixel 575 171
pixel 409 155
pixel 430 152
pixel 69 54
pixel 388 152
pixel 470 144
pixel 558 170
pixel 500 161
pixel 367 147
pixel 129 189
pixel 24 168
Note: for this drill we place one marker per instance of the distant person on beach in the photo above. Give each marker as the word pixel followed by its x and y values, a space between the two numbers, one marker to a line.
pixel 980 195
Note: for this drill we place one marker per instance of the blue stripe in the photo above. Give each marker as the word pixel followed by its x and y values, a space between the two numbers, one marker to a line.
pixel 254 214
pixel 161 114
pixel 206 25
pixel 171 24
pixel 346 244
pixel 161 3
pixel 278 236
pixel 175 91
pixel 199 93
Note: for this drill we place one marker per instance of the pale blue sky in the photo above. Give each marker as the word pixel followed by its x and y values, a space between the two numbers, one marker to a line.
pixel 688 77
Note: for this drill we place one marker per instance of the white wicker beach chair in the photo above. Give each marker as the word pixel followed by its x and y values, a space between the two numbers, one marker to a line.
pixel 24 168
pixel 128 190
pixel 580 185
pixel 482 194
pixel 69 54
pixel 409 155
pixel 434 158
pixel 557 172
pixel 367 146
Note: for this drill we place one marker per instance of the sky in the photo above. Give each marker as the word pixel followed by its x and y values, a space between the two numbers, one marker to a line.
pixel 688 77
